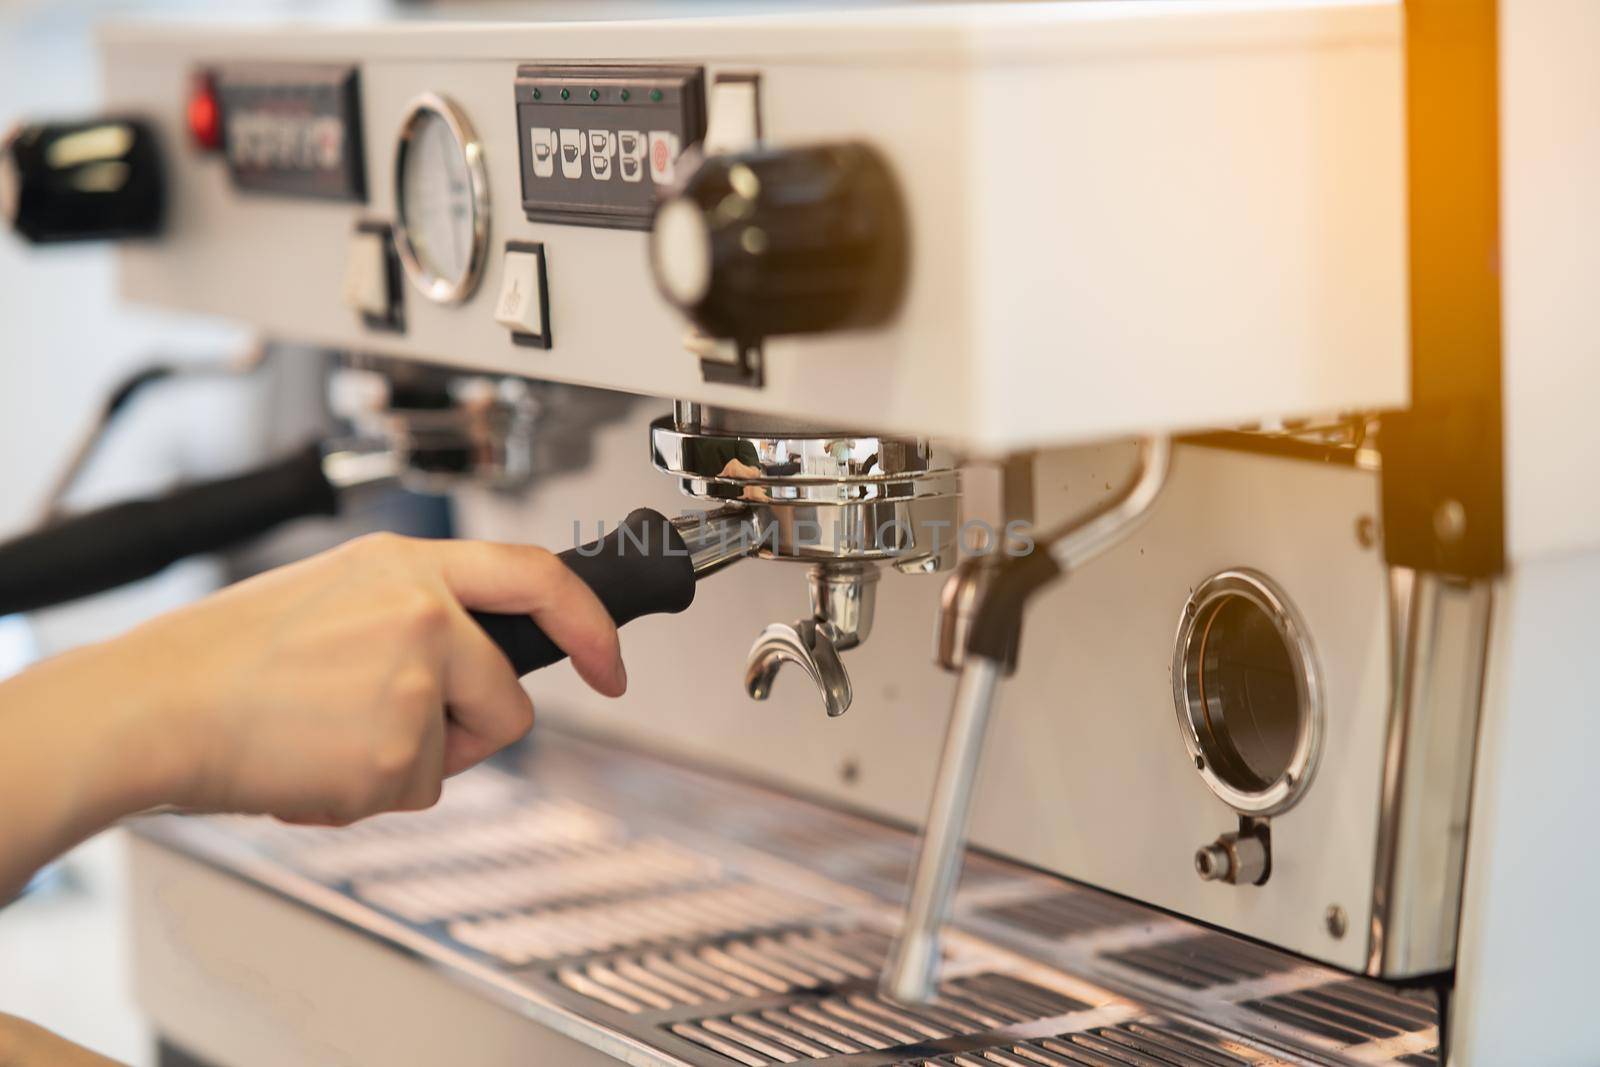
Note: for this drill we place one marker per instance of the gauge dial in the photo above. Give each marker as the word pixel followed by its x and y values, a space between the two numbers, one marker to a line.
pixel 442 201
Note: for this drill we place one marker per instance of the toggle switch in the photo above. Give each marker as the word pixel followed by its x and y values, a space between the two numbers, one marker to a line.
pixel 523 306
pixel 372 277
pixel 735 124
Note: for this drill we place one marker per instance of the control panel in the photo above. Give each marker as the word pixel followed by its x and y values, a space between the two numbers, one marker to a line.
pixel 293 129
pixel 911 221
pixel 599 142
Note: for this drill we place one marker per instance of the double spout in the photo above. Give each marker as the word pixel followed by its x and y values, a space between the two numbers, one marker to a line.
pixel 843 596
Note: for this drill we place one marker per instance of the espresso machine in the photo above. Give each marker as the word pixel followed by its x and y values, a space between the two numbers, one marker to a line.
pixel 1124 460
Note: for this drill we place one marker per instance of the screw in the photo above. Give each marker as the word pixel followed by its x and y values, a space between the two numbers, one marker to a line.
pixel 1450 521
pixel 850 771
pixel 1336 921
pixel 1366 531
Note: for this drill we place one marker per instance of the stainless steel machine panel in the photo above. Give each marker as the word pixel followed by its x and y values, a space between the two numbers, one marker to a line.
pixel 1073 174
pixel 1087 773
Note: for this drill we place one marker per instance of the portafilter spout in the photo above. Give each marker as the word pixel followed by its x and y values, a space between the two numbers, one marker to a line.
pixel 842 601
pixel 843 502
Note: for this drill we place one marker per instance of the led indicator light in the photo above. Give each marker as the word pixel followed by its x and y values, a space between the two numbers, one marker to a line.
pixel 594 94
pixel 655 94
pixel 566 94
pixel 537 94
pixel 625 96
pixel 204 114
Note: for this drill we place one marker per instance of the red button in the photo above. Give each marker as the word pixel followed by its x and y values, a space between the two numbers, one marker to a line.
pixel 205 114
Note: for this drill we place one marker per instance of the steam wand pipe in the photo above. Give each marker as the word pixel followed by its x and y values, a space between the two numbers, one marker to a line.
pixel 997 596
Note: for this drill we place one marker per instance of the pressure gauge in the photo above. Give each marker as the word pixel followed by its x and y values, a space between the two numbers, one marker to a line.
pixel 441 201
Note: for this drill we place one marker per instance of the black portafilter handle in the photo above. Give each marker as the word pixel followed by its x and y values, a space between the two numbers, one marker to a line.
pixel 99 550
pixel 642 567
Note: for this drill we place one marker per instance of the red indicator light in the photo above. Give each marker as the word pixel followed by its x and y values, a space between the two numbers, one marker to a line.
pixel 205 114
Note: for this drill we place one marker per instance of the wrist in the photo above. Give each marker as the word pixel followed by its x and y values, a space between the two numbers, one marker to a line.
pixel 111 710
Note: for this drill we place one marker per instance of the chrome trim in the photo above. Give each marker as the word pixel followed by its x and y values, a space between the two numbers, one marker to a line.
pixel 818 468
pixel 843 598
pixel 715 539
pixel 1282 793
pixel 1081 539
pixel 1439 638
pixel 912 972
pixel 435 288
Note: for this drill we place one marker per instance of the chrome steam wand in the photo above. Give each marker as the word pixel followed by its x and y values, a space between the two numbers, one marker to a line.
pixel 980 623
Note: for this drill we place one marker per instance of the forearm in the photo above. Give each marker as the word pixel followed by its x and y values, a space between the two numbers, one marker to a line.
pixel 24 1045
pixel 79 749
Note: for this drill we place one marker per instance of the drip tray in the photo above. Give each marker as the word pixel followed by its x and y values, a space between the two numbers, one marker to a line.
pixel 701 921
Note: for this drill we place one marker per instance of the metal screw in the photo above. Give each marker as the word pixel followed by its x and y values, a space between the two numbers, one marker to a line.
pixel 1336 920
pixel 1366 531
pixel 1450 521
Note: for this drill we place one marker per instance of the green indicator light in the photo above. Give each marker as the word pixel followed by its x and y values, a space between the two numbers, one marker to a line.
pixel 655 94
pixel 537 94
pixel 594 94
pixel 566 94
pixel 625 95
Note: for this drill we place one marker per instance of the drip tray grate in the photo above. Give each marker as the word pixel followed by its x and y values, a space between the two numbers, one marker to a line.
pixel 709 923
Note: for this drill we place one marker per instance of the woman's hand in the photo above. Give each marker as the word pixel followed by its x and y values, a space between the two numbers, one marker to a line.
pixel 348 684
pixel 355 682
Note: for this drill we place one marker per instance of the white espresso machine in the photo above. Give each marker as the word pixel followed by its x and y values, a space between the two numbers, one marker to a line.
pixel 1140 441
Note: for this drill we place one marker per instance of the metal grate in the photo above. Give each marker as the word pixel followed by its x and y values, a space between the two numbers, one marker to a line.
pixel 555 933
pixel 713 923
pixel 1060 916
pixel 1348 1013
pixel 1143 1044
pixel 730 970
pixel 541 881
pixel 1205 961
pixel 858 1019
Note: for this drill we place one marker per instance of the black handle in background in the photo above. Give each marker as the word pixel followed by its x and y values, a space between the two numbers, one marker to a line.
pixel 104 549
pixel 640 568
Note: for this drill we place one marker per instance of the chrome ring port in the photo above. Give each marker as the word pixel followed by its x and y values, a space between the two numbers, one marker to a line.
pixel 1247 692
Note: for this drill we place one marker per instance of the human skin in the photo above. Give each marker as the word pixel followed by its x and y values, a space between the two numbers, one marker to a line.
pixel 345 685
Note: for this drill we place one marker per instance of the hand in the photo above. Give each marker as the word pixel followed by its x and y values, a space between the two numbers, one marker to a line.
pixel 355 682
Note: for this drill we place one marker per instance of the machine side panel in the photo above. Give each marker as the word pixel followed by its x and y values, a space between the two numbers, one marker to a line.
pixel 1550 164
pixel 1529 926
pixel 1218 236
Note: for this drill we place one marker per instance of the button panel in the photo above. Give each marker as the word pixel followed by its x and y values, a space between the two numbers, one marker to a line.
pixel 599 142
pixel 292 129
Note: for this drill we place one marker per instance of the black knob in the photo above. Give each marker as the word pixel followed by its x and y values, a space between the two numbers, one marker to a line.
pixel 779 242
pixel 80 181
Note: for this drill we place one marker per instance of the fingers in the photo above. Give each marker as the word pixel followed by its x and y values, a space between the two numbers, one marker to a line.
pixel 488 707
pixel 524 579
